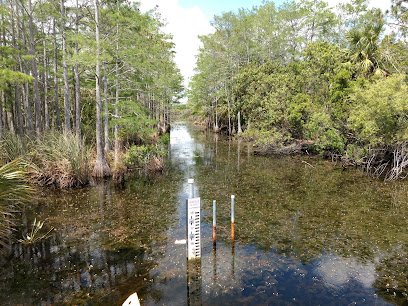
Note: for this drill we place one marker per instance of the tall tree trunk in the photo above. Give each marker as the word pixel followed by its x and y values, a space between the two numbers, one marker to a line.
pixel 101 168
pixel 216 114
pixel 56 94
pixel 17 96
pixel 77 101
pixel 26 90
pixel 46 109
pixel 34 70
pixel 168 118
pixel 2 98
pixel 12 114
pixel 19 117
pixel 239 122
pixel 9 120
pixel 77 82
pixel 116 129
pixel 27 107
pixel 229 111
pixel 5 121
pixel 67 106
pixel 1 113
pixel 106 111
pixel 117 89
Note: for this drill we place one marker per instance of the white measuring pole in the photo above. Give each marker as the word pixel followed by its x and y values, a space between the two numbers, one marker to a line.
pixel 191 184
pixel 193 228
pixel 193 224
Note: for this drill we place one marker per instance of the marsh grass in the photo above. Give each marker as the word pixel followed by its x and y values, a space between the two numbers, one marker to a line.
pixel 60 160
pixel 13 147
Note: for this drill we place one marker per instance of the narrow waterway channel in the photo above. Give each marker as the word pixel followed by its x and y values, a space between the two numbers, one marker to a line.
pixel 307 233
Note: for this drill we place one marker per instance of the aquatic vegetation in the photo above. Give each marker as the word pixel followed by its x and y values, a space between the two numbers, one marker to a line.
pixel 35 235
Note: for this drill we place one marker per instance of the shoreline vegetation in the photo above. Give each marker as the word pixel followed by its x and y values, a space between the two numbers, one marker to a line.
pixel 308 77
pixel 64 161
pixel 85 89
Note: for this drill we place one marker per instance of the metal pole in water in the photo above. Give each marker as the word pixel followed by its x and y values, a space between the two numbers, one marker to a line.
pixel 191 183
pixel 214 234
pixel 232 218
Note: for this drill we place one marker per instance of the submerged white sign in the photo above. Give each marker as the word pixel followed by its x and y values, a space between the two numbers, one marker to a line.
pixel 193 228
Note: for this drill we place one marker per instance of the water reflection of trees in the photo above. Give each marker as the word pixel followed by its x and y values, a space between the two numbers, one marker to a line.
pixel 303 211
pixel 104 245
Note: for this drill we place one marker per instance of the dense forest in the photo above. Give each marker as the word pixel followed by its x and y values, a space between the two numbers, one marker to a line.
pixel 307 76
pixel 80 83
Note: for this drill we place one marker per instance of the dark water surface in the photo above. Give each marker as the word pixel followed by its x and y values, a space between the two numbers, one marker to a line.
pixel 307 233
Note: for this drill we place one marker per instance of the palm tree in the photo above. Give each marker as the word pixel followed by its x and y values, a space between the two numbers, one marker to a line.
pixel 13 191
pixel 364 42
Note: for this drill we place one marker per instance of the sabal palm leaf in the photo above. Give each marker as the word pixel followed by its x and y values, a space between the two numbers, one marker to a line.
pixel 13 191
pixel 363 48
pixel 366 65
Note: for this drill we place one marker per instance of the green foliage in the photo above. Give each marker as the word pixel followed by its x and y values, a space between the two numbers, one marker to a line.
pixel 379 113
pixel 299 72
pixel 321 129
pixel 135 122
pixel 148 158
pixel 8 76
pixel 137 156
pixel 164 140
pixel 136 61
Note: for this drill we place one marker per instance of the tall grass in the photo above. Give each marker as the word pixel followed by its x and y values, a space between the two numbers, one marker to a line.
pixel 13 147
pixel 61 160
pixel 54 159
pixel 13 191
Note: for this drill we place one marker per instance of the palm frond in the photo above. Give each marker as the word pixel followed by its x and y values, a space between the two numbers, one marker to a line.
pixel 13 191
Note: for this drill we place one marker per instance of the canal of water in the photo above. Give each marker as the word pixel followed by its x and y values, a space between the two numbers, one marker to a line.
pixel 307 232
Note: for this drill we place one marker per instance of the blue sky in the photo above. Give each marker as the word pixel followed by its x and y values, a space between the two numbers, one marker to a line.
pixel 216 7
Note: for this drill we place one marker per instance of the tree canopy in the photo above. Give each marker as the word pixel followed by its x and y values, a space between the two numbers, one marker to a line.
pixel 305 71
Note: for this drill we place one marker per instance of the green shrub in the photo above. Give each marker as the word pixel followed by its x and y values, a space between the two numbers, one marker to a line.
pixel 322 131
pixel 380 111
pixel 148 158
pixel 164 139
pixel 137 156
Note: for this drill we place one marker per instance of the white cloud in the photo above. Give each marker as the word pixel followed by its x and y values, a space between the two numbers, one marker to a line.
pixel 338 271
pixel 185 24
